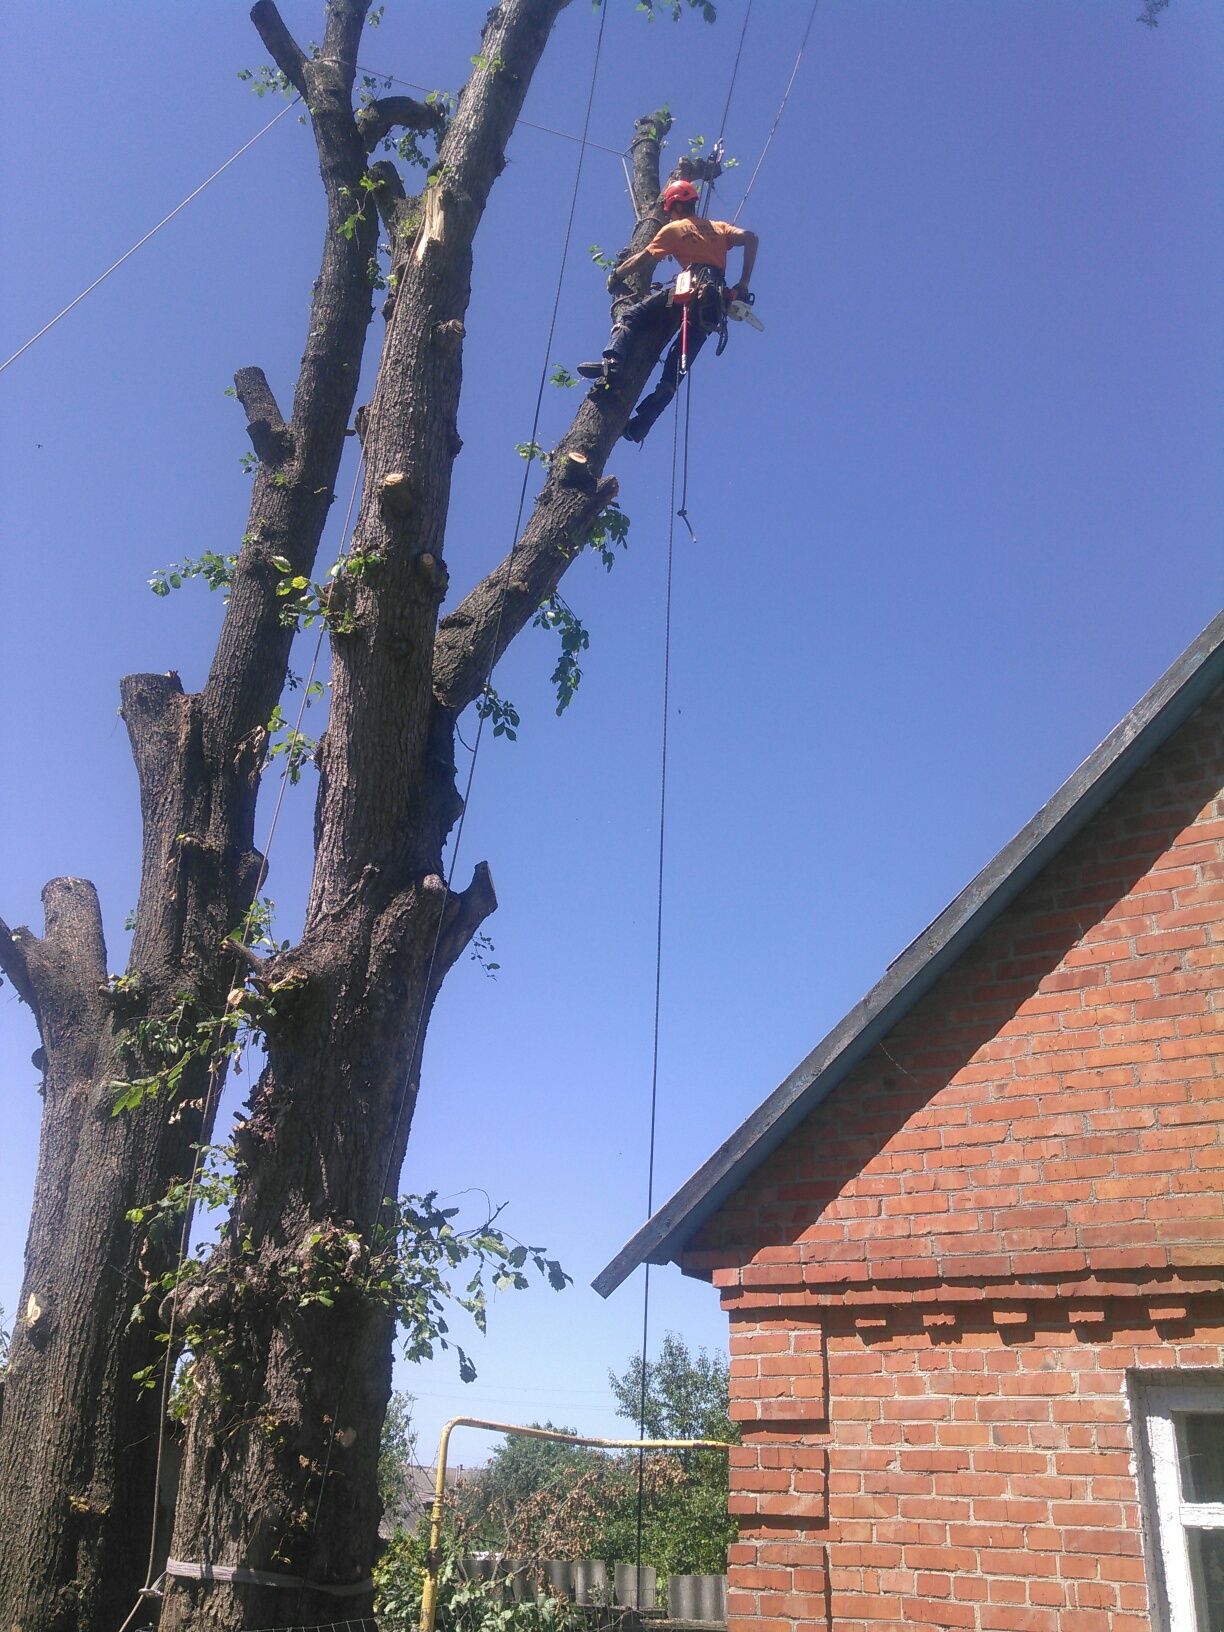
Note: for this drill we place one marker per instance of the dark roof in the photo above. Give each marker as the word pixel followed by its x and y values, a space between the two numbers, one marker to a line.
pixel 1171 701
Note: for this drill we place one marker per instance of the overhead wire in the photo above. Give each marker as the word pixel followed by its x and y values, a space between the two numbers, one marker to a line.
pixel 390 79
pixel 481 717
pixel 152 232
pixel 530 124
pixel 773 129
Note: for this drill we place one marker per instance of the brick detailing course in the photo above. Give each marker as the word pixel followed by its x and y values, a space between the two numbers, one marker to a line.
pixel 941 1281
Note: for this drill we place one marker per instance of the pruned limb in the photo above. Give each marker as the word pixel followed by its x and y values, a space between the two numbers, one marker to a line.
pixel 644 149
pixel 265 424
pixel 154 709
pixel 345 21
pixel 473 637
pixel 378 118
pixel 463 915
pixel 284 50
pixel 14 966
pixel 394 206
pixel 59 975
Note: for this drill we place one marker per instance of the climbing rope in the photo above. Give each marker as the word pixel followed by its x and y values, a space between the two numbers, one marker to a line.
pixel 658 971
pixel 708 185
pixel 152 232
pixel 680 468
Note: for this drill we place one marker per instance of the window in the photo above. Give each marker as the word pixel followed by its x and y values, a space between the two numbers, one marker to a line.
pixel 1183 1438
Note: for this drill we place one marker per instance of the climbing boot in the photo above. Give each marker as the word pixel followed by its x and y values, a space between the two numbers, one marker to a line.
pixel 593 371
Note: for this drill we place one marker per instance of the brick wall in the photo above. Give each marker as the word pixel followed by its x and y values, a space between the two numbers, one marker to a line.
pixel 938 1285
pixel 973 1469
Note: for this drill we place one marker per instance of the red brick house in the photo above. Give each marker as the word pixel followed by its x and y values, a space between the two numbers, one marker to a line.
pixel 972 1249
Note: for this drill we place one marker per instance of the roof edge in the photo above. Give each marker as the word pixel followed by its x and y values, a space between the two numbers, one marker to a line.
pixel 1163 709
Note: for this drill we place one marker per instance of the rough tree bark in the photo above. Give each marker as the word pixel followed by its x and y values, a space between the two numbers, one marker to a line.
pixel 282 1445
pixel 77 1440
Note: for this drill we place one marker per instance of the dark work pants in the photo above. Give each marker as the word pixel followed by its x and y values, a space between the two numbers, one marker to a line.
pixel 655 317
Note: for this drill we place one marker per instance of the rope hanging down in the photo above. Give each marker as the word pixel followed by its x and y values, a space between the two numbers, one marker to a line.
pixel 682 512
pixel 152 232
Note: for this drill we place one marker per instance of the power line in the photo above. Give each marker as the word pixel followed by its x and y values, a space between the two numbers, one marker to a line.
pixel 127 254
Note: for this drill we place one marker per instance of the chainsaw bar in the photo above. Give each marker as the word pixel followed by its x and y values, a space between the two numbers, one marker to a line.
pixel 743 313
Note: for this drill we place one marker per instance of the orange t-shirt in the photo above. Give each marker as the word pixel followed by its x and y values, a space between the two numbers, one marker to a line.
pixel 696 242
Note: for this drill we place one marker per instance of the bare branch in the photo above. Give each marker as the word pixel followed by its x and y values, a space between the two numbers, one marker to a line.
pixel 473 637
pixel 284 50
pixel 291 501
pixel 464 914
pixel 375 120
pixel 265 426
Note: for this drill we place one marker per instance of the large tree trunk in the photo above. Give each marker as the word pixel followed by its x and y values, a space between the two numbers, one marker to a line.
pixel 279 1474
pixel 78 1438
pixel 279 1471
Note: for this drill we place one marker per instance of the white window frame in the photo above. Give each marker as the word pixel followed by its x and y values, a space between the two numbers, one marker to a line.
pixel 1160 1403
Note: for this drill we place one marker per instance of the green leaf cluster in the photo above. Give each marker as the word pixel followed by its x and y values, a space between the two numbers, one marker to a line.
pixel 609 534
pixel 418 1251
pixel 558 615
pixel 465 1604
pixel 217 571
pixel 289 742
pixel 266 80
pixel 675 8
pixel 502 712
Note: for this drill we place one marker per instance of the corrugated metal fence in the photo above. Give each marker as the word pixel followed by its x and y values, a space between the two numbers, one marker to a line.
pixel 692 1600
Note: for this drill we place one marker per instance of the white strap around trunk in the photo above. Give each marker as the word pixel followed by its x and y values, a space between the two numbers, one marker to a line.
pixel 239 1575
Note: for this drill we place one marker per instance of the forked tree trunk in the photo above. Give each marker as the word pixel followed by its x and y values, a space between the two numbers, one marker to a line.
pixel 78 1438
pixel 281 1454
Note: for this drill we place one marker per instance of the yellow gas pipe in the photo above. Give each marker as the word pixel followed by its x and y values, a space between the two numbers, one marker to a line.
pixel 429 1590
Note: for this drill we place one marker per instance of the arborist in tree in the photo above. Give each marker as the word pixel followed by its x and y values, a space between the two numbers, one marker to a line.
pixel 701 248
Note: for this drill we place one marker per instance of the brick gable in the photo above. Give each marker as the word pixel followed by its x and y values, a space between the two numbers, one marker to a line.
pixel 1054 1105
pixel 944 1284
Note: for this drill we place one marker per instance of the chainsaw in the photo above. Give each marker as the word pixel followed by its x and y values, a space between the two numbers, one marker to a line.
pixel 741 311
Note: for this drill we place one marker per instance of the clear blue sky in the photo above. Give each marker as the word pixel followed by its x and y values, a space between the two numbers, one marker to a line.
pixel 957 508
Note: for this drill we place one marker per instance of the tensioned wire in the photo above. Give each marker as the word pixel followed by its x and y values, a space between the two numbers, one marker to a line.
pixel 482 715
pixel 127 254
pixel 773 129
pixel 220 170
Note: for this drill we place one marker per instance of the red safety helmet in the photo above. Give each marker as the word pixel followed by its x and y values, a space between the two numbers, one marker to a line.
pixel 679 192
